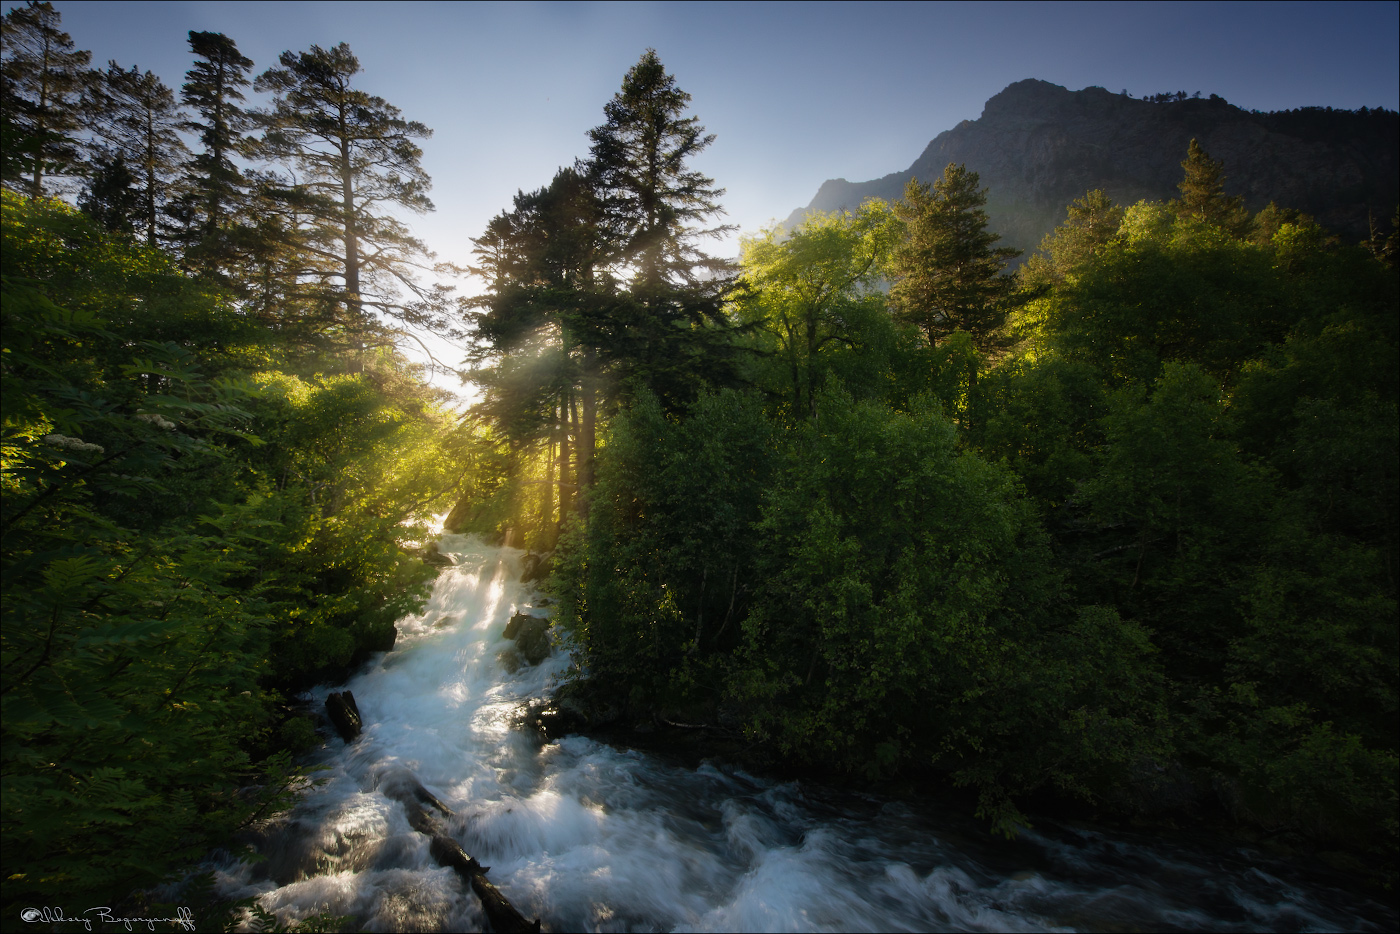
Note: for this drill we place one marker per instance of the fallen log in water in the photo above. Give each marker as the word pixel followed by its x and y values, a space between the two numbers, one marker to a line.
pixel 416 800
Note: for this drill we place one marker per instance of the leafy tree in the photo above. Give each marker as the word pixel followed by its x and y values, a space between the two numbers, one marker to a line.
pixel 1203 192
pixel 356 155
pixel 816 286
pixel 44 100
pixel 947 273
pixel 669 331
pixel 1169 288
pixel 140 121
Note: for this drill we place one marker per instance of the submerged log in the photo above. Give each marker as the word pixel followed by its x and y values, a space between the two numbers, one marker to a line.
pixel 500 913
pixel 340 707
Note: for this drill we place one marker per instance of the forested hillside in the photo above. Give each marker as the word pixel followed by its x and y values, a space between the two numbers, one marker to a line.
pixel 1118 529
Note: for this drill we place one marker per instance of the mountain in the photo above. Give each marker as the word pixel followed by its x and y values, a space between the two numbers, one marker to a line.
pixel 1038 146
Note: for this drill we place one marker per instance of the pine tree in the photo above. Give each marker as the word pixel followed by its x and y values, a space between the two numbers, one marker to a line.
pixel 532 356
pixel 948 271
pixel 217 190
pixel 356 156
pixel 1091 222
pixel 141 122
pixel 110 197
pixel 1203 193
pixel 44 100
pixel 671 333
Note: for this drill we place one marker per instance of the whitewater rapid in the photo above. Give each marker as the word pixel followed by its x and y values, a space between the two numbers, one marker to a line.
pixel 589 837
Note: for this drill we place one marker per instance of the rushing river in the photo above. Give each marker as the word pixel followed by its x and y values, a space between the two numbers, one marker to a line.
pixel 589 837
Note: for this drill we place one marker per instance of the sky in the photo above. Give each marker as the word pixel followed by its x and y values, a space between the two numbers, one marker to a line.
pixel 795 93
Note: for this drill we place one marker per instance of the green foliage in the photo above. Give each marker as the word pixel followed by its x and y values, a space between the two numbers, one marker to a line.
pixel 1153 549
pixel 187 532
pixel 814 288
pixel 906 589
pixel 662 571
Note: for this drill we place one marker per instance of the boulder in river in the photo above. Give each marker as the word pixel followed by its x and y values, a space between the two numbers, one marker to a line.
pixel 536 567
pixel 433 556
pixel 531 635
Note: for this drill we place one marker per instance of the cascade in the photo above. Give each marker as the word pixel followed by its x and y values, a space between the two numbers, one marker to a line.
pixel 585 836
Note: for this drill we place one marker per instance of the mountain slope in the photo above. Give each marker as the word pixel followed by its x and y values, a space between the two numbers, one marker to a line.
pixel 1037 146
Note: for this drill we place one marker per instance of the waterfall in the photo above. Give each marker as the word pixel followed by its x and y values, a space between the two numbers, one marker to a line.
pixel 590 837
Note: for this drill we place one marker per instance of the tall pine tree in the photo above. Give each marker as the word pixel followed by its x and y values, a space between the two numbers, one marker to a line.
pixel 1203 192
pixel 217 191
pixel 140 122
pixel 356 156
pixel 44 98
pixel 672 333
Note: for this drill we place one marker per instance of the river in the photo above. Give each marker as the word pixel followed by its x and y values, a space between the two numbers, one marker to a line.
pixel 586 836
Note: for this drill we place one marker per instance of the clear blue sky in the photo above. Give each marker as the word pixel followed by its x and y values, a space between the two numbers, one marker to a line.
pixel 795 92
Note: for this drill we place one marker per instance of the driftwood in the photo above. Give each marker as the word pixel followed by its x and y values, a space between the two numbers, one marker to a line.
pixel 340 707
pixel 416 800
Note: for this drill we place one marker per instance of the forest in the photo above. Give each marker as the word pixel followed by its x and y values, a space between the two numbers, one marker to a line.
pixel 1112 524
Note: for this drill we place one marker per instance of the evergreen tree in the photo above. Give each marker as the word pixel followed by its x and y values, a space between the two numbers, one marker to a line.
pixel 672 332
pixel 1203 192
pixel 1092 221
pixel 141 121
pixel 356 156
pixel 947 271
pixel 217 189
pixel 43 98
pixel 546 291
pixel 110 197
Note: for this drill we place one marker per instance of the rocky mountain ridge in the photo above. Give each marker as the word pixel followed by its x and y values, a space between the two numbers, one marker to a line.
pixel 1037 146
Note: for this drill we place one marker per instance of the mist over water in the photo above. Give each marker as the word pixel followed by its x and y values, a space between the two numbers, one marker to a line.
pixel 589 837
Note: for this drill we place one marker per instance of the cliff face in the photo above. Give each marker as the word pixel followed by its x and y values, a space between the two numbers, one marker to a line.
pixel 1038 146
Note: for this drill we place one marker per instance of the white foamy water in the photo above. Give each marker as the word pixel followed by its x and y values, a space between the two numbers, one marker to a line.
pixel 589 837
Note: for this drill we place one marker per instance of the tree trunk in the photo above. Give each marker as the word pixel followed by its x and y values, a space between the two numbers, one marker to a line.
pixel 344 714
pixel 500 913
pixel 588 420
pixel 566 427
pixel 547 508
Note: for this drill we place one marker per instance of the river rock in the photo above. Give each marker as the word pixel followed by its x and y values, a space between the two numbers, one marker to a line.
pixel 536 567
pixel 531 635
pixel 431 555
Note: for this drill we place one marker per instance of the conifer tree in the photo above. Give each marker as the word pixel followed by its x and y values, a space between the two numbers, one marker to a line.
pixel 1091 222
pixel 531 355
pixel 356 156
pixel 948 270
pixel 1203 192
pixel 141 122
pixel 110 197
pixel 44 85
pixel 672 333
pixel 217 190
